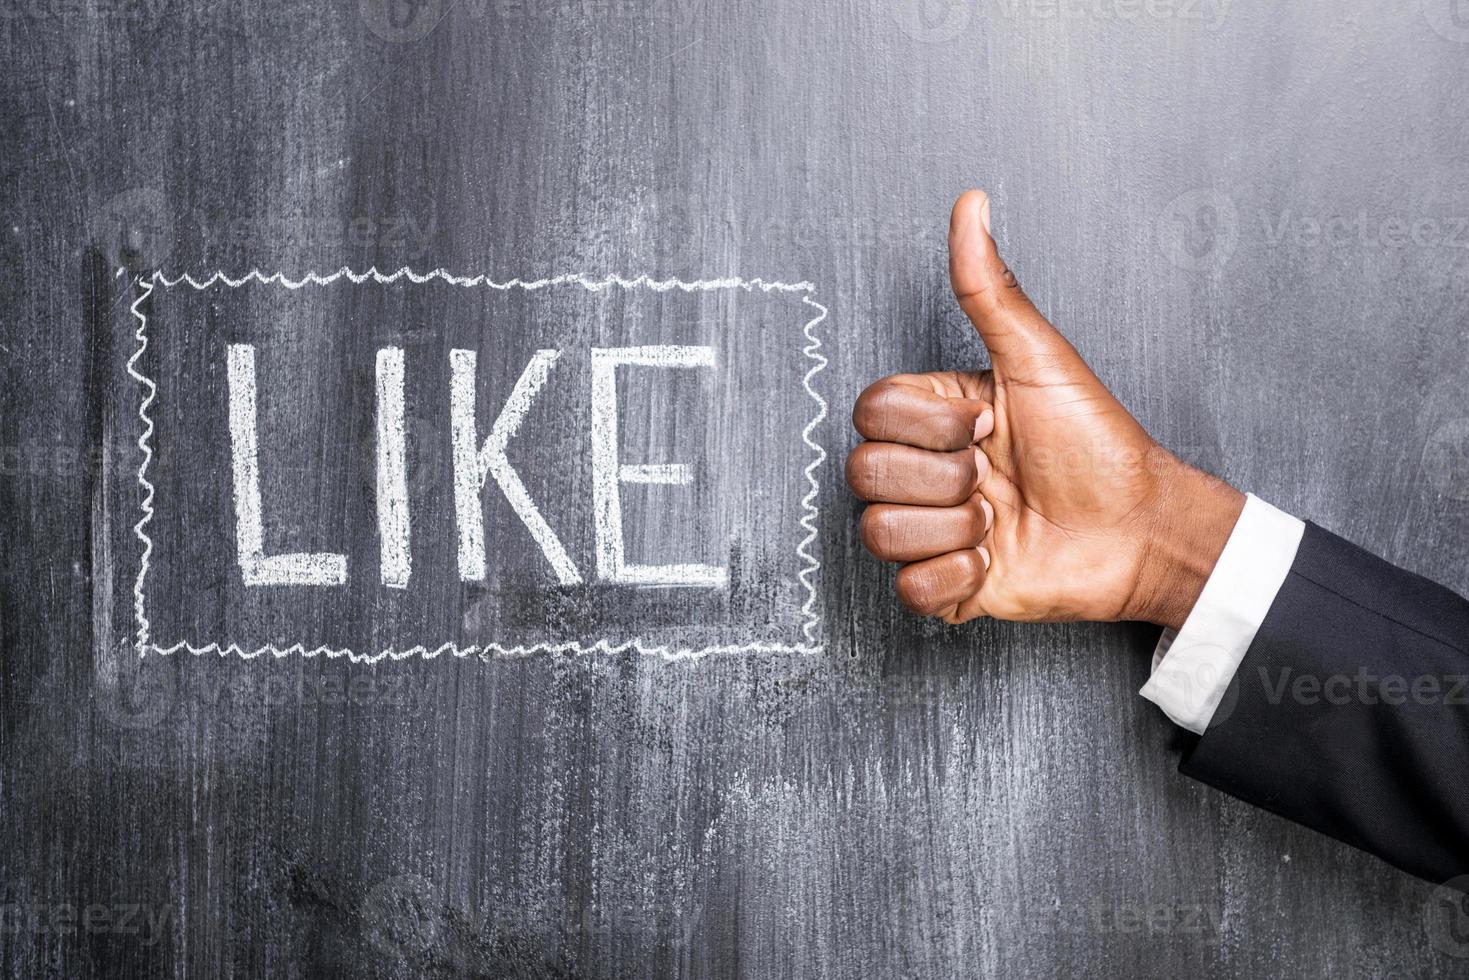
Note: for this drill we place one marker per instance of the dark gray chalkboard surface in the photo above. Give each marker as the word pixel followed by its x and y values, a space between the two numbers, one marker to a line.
pixel 1253 219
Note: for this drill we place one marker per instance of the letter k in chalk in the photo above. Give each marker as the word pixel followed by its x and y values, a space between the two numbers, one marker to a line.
pixel 471 466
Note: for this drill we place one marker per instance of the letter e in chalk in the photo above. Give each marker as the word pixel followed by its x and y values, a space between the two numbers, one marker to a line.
pixel 608 474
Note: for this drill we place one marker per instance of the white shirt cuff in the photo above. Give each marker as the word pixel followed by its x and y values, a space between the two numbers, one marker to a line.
pixel 1192 666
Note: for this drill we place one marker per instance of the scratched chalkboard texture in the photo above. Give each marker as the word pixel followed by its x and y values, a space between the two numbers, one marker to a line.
pixel 1253 219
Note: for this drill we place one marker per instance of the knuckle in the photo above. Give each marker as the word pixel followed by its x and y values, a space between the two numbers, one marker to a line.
pixel 862 469
pixel 890 411
pixel 936 585
pixel 866 410
pixel 949 431
pixel 877 530
pixel 959 478
pixel 916 592
pixel 872 408
pixel 968 569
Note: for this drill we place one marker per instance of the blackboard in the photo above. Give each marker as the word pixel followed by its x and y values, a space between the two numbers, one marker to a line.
pixel 1253 220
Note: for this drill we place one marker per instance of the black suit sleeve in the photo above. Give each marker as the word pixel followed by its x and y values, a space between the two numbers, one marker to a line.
pixel 1350 711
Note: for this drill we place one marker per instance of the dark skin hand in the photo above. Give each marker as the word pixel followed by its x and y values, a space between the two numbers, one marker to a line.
pixel 1027 492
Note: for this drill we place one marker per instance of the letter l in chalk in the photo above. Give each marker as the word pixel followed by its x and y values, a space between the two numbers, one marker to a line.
pixel 320 568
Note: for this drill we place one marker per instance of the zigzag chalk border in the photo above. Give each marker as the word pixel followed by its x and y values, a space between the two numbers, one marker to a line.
pixel 811 616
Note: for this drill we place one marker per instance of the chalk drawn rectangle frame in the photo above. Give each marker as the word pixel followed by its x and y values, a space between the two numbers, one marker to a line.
pixel 811 617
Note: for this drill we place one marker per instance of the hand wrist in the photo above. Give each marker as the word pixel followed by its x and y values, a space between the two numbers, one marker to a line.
pixel 1195 515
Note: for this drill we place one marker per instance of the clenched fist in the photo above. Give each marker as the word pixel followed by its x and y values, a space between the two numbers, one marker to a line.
pixel 1027 491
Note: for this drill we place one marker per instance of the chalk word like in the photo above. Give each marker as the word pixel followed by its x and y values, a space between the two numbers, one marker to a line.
pixel 473 462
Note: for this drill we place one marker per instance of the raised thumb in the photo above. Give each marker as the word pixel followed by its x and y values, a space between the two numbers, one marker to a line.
pixel 1008 323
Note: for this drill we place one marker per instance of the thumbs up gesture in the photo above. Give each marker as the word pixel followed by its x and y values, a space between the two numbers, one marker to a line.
pixel 1027 491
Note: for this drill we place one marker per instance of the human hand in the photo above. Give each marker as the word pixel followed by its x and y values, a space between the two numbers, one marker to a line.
pixel 1027 491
